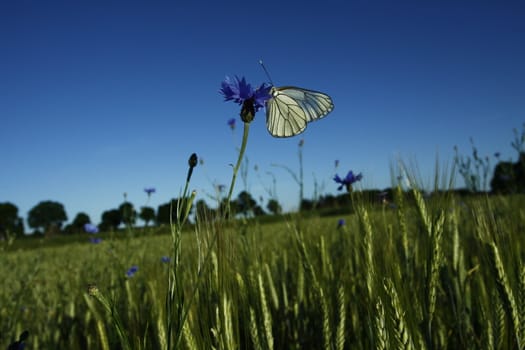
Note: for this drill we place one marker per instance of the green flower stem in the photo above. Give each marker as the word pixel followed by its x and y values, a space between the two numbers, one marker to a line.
pixel 237 166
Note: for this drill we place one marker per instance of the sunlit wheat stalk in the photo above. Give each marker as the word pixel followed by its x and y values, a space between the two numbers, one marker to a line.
pixel 506 293
pixel 271 287
pixel 436 260
pixel 254 331
pixel 327 330
pixel 101 328
pixel 402 337
pixel 369 250
pixel 488 337
pixel 381 337
pixel 400 212
pixel 499 329
pixel 341 326
pixel 227 329
pixel 267 317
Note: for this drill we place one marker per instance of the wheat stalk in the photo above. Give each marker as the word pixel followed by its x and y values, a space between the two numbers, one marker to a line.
pixel 505 291
pixel 402 337
pixel 381 337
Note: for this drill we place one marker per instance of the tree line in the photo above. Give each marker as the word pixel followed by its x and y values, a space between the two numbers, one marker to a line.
pixel 49 217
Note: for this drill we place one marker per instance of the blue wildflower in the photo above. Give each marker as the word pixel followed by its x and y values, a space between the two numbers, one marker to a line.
pixel 348 180
pixel 165 259
pixel 242 93
pixel 149 190
pixel 90 228
pixel 132 270
pixel 95 240
pixel 341 223
pixel 231 123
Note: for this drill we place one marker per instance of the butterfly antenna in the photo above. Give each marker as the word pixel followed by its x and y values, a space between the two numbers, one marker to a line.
pixel 266 71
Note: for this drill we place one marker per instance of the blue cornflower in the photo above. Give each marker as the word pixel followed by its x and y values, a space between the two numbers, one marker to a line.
pixel 149 190
pixel 231 123
pixel 242 93
pixel 348 180
pixel 95 240
pixel 165 259
pixel 90 228
pixel 341 223
pixel 132 270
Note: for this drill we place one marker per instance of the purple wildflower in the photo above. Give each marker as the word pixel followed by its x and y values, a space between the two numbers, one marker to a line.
pixel 341 223
pixel 95 240
pixel 132 270
pixel 231 123
pixel 149 190
pixel 242 93
pixel 165 259
pixel 90 228
pixel 348 180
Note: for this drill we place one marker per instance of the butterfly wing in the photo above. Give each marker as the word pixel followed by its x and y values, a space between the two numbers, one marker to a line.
pixel 291 108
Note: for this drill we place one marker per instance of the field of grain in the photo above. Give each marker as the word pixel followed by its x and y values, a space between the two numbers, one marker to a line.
pixel 418 273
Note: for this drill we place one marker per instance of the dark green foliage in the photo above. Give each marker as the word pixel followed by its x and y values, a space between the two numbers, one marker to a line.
pixel 147 214
pixel 111 219
pixel 47 216
pixel 79 221
pixel 9 221
pixel 129 214
pixel 509 177
pixel 203 212
pixel 247 206
pixel 168 211
pixel 274 207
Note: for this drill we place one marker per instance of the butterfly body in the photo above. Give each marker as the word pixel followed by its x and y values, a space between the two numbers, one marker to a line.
pixel 291 108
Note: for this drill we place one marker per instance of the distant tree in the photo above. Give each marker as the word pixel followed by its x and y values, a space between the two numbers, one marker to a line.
pixel 129 214
pixel 47 216
pixel 10 223
pixel 234 208
pixel 79 221
pixel 306 204
pixel 274 207
pixel 111 219
pixel 509 177
pixel 258 211
pixel 147 214
pixel 168 210
pixel 203 211
pixel 246 205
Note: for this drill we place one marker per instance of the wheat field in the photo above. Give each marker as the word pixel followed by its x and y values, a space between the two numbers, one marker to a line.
pixel 420 272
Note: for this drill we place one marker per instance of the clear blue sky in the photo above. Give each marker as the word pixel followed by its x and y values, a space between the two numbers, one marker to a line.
pixel 98 98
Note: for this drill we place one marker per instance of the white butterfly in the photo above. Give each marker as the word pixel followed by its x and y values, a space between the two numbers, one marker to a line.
pixel 291 108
